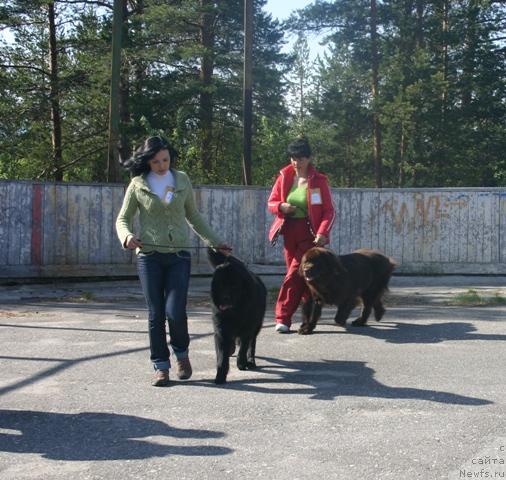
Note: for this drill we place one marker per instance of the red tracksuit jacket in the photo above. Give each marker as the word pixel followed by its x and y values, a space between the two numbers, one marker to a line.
pixel 321 215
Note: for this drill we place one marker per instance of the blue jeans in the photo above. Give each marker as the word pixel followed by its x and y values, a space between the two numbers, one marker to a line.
pixel 164 279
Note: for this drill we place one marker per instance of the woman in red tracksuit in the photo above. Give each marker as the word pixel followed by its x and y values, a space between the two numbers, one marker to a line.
pixel 302 203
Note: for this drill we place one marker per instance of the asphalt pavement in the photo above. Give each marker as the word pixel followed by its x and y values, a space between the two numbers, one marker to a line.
pixel 420 395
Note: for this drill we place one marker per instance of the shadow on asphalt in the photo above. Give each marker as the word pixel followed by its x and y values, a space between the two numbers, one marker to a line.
pixel 72 329
pixel 79 329
pixel 62 364
pixel 330 379
pixel 107 307
pixel 489 313
pixel 97 436
pixel 393 332
pixel 406 331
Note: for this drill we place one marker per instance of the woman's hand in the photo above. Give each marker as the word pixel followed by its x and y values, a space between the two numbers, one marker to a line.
pixel 320 240
pixel 287 209
pixel 132 243
pixel 224 248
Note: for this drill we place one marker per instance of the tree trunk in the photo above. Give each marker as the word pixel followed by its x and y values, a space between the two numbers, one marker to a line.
pixel 56 133
pixel 441 143
pixel 302 99
pixel 247 91
pixel 124 87
pixel 470 47
pixel 415 131
pixel 374 91
pixel 112 172
pixel 419 23
pixel 445 28
pixel 349 164
pixel 408 43
pixel 206 75
pixel 402 150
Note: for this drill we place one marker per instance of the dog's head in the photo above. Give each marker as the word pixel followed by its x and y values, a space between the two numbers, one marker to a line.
pixel 319 263
pixel 215 257
pixel 229 285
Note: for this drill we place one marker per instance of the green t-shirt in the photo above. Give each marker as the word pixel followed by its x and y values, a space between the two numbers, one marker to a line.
pixel 298 198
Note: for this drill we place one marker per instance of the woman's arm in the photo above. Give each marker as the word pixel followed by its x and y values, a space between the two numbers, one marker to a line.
pixel 275 200
pixel 329 212
pixel 125 218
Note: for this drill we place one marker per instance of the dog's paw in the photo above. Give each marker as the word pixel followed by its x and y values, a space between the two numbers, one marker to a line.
pixel 305 330
pixel 251 365
pixel 359 322
pixel 221 375
pixel 378 313
pixel 242 365
pixel 342 323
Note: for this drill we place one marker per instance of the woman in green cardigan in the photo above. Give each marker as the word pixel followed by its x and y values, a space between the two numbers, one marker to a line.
pixel 164 199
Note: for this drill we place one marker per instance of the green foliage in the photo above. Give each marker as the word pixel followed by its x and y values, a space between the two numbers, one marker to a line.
pixel 441 98
pixel 271 139
pixel 441 94
pixel 161 85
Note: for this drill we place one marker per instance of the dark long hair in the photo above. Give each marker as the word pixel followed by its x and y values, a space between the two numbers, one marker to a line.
pixel 138 163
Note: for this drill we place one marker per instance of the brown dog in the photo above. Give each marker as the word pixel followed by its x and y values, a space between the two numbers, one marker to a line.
pixel 342 279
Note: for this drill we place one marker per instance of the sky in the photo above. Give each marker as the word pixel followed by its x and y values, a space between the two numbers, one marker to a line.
pixel 281 9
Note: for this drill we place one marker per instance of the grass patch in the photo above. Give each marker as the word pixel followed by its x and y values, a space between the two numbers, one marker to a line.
pixel 472 297
pixel 88 296
pixel 468 298
pixel 498 299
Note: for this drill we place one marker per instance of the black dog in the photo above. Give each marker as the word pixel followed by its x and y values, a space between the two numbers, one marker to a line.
pixel 341 280
pixel 239 300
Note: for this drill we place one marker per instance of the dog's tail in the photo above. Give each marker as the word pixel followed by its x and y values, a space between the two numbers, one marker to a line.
pixel 215 257
pixel 383 267
pixel 389 269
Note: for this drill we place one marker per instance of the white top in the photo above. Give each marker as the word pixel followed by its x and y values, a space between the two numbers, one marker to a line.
pixel 162 185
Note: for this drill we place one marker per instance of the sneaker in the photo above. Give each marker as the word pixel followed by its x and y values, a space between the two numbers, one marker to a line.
pixel 282 328
pixel 184 369
pixel 161 378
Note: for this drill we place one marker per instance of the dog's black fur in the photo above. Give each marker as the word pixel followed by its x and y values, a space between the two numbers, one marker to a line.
pixel 239 301
pixel 341 280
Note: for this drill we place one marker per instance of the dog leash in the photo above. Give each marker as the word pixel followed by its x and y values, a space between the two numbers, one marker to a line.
pixel 195 248
pixel 182 247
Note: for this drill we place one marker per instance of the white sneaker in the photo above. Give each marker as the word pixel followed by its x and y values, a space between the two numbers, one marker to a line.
pixel 282 328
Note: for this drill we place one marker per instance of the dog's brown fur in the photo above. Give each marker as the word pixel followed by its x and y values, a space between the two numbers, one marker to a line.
pixel 341 280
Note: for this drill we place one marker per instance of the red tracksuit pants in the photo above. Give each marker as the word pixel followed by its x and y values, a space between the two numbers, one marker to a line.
pixel 297 240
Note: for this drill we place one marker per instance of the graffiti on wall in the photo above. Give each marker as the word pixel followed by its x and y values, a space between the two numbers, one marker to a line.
pixel 423 212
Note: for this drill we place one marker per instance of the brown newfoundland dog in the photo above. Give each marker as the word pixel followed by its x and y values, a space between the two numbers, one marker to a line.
pixel 341 280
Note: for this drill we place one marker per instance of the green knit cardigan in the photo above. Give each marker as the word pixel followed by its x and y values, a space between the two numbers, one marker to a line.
pixel 161 224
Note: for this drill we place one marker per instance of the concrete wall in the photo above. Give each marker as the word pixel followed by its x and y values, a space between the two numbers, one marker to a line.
pixel 61 229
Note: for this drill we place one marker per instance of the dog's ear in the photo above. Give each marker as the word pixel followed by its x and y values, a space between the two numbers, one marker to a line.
pixel 301 268
pixel 215 257
pixel 301 265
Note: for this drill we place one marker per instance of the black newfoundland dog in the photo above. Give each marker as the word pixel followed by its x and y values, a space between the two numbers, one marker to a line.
pixel 239 300
pixel 341 280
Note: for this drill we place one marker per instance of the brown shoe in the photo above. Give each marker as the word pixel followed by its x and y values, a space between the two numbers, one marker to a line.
pixel 161 378
pixel 184 369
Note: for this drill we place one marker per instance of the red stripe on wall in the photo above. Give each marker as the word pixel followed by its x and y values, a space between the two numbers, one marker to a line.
pixel 37 193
